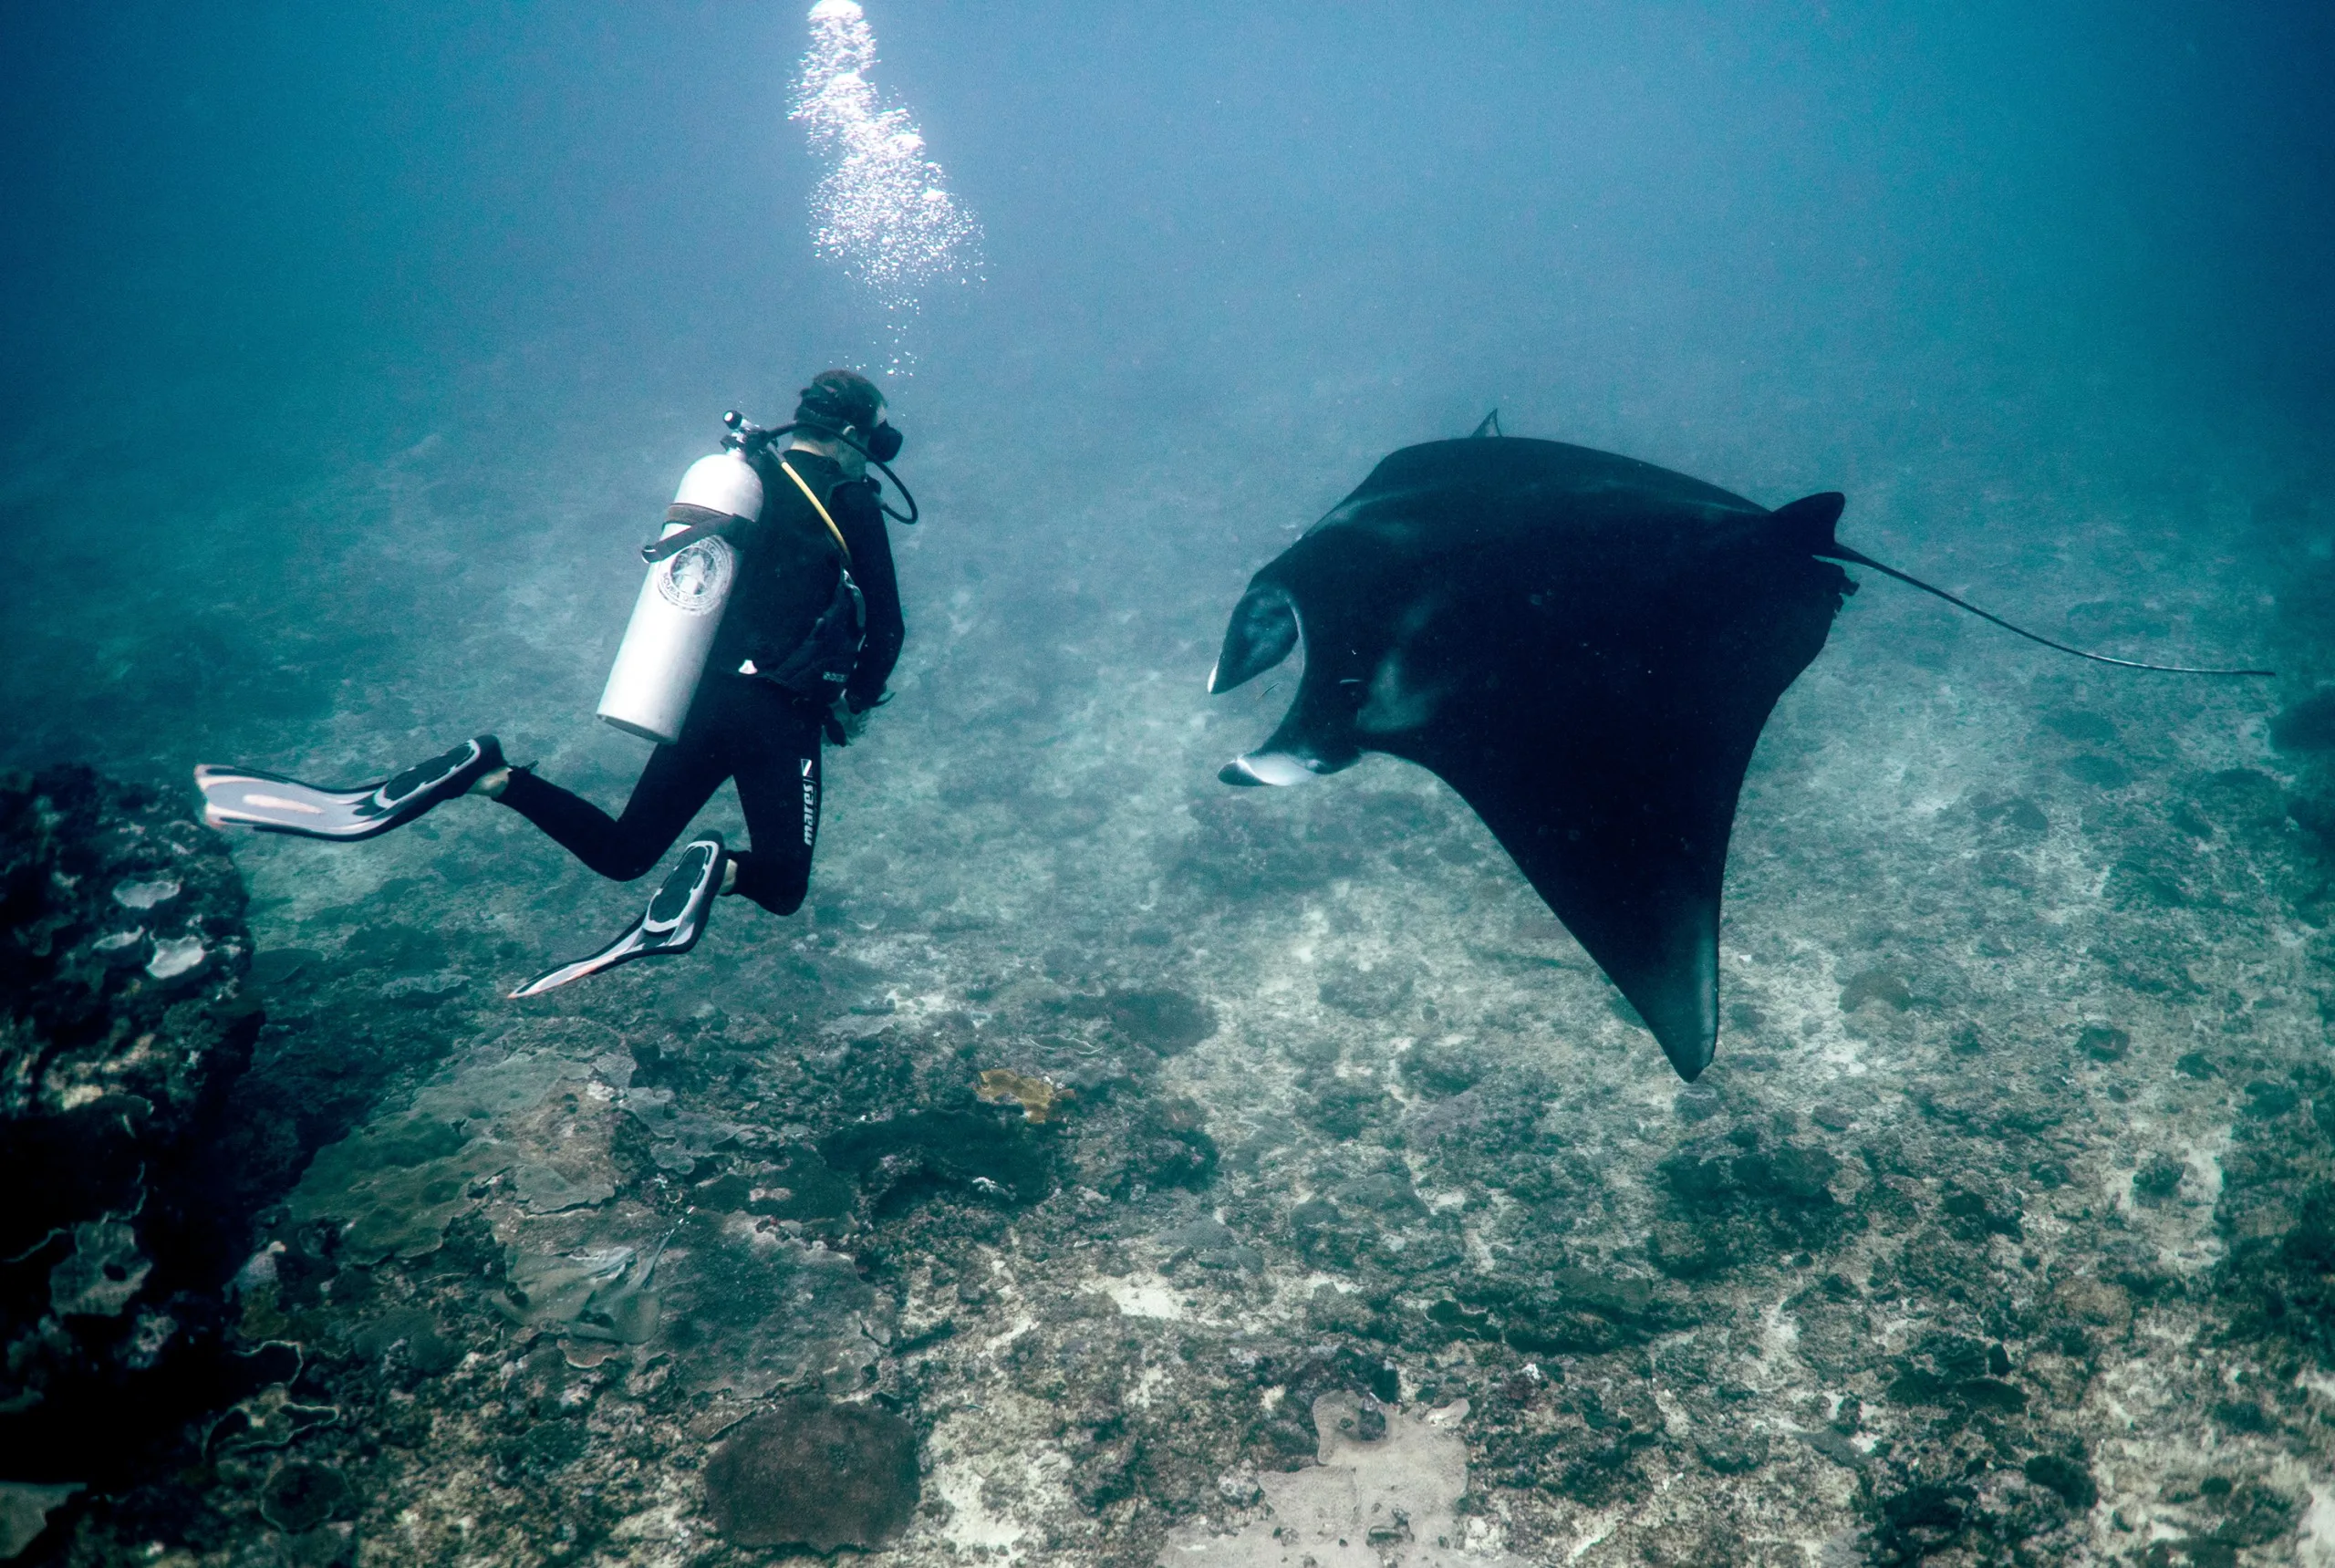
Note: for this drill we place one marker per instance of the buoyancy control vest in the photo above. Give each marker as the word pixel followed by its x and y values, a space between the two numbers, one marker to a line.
pixel 821 663
pixel 819 669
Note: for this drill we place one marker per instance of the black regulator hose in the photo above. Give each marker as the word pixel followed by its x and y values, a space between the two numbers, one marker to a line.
pixel 752 438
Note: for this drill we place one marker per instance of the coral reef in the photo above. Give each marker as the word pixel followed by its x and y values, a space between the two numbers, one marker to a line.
pixel 122 1038
pixel 1105 1142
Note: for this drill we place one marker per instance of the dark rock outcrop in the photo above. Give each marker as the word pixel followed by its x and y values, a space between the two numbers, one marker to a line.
pixel 121 1033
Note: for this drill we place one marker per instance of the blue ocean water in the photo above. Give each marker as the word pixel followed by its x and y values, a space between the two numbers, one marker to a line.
pixel 349 354
pixel 260 254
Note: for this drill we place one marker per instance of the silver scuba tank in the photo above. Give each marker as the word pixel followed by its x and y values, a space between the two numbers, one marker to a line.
pixel 679 610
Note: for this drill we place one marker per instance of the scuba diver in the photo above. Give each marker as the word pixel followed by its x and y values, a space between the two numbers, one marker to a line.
pixel 769 624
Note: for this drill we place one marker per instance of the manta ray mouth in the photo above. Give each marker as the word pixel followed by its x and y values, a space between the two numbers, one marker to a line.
pixel 1265 768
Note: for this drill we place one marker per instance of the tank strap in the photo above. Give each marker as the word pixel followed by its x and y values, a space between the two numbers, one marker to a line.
pixel 702 524
pixel 818 506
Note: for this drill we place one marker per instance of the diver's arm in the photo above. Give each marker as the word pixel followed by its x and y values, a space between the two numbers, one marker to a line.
pixel 871 568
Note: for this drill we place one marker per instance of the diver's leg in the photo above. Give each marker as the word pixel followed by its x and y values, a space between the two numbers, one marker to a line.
pixel 778 778
pixel 673 788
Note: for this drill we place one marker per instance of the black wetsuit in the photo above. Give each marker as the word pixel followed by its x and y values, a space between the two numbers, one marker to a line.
pixel 747 727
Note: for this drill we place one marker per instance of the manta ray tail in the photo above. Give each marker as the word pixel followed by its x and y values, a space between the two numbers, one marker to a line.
pixel 1811 519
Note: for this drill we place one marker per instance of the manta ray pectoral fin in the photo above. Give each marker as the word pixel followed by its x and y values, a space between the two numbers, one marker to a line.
pixel 1631 862
pixel 1262 632
pixel 1682 1010
pixel 1655 936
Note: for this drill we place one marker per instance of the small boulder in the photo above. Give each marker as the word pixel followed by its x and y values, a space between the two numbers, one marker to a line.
pixel 814 1474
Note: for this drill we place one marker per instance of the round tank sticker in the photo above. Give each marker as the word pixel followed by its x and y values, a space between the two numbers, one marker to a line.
pixel 697 580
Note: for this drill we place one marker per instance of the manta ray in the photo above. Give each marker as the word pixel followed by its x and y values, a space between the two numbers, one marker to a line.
pixel 1585 648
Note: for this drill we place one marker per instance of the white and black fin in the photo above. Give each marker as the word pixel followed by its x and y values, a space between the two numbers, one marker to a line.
pixel 671 924
pixel 270 802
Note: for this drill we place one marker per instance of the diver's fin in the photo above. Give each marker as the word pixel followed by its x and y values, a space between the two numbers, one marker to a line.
pixel 1486 426
pixel 270 802
pixel 671 923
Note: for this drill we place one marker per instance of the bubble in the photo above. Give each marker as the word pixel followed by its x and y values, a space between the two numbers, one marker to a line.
pixel 883 210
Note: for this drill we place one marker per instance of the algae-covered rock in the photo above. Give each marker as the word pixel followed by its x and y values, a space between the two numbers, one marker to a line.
pixel 1164 1020
pixel 23 1512
pixel 409 1334
pixel 300 1496
pixel 814 1474
pixel 545 1188
pixel 600 1292
pixel 679 1137
pixel 394 1186
pixel 748 1309
pixel 1041 1099
pixel 122 1033
pixel 481 1094
pixel 922 1151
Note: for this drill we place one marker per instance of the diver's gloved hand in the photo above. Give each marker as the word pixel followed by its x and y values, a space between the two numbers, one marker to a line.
pixel 851 719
